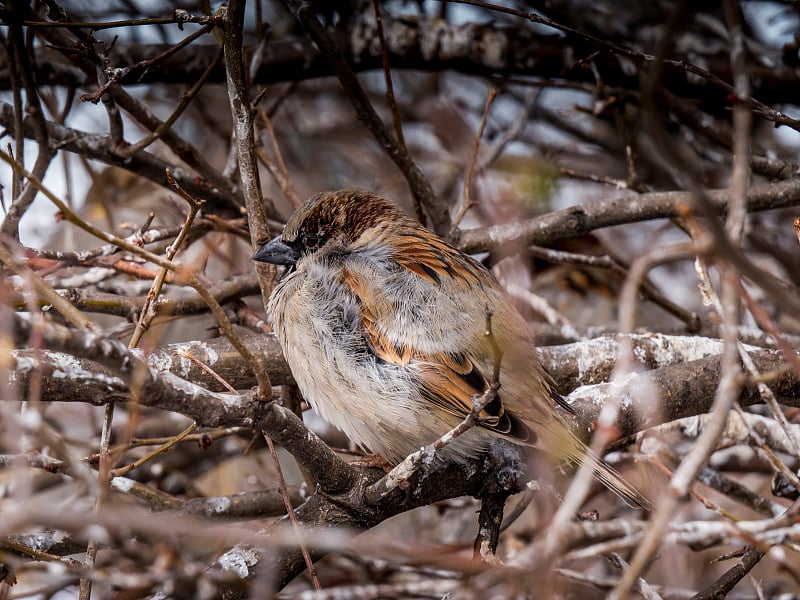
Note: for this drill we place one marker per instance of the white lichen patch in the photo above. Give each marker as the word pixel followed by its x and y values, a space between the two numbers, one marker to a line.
pixel 42 542
pixel 122 484
pixel 651 350
pixel 221 504
pixel 597 393
pixel 25 364
pixel 184 364
pixel 66 366
pixel 190 392
pixel 233 401
pixel 239 560
pixel 670 349
pixel 178 360
pixel 494 48
pixel 602 350
pixel 602 393
pixel 187 389
pixel 92 276
pixel 159 361
pixel 65 362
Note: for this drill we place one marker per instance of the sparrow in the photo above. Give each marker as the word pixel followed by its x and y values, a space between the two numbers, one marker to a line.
pixel 384 326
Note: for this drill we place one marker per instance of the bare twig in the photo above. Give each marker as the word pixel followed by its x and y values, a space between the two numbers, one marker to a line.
pixel 588 217
pixel 720 588
pixel 165 447
pixel 148 310
pixel 646 288
pixel 186 98
pixel 281 173
pixel 180 16
pixel 292 516
pixel 387 76
pixel 49 295
pixel 20 64
pixel 466 194
pixel 693 462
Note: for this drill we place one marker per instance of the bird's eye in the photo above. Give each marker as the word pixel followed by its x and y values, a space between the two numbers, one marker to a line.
pixel 312 240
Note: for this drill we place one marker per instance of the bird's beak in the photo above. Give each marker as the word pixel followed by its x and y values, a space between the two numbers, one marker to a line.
pixel 276 253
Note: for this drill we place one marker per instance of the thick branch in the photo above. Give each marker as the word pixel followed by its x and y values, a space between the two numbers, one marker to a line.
pixel 419 43
pixel 244 137
pixel 182 302
pixel 684 374
pixel 678 391
pixel 684 388
pixel 578 220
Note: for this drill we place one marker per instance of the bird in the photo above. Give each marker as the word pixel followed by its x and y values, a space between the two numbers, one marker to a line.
pixel 391 332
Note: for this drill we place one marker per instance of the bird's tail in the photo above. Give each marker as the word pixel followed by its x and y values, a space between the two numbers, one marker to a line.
pixel 564 444
pixel 610 478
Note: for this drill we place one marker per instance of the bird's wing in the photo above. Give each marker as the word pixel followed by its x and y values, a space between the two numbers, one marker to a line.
pixel 449 380
pixel 435 260
pixel 452 381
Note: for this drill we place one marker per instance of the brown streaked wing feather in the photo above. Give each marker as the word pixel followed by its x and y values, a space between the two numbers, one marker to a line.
pixel 381 347
pixel 433 259
pixel 451 383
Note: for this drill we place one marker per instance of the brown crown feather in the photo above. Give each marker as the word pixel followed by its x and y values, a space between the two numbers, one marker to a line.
pixel 349 212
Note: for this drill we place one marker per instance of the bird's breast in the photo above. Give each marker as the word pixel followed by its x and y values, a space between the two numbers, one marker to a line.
pixel 318 325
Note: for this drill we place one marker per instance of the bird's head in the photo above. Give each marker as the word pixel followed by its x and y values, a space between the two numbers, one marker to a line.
pixel 330 222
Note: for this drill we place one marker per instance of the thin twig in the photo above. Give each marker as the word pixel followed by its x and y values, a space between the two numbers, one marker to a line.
pixel 387 76
pixel 511 132
pixel 244 137
pixel 312 570
pixel 606 422
pixel 742 122
pixel 466 194
pixel 279 172
pixel 118 74
pixel 186 98
pixel 148 310
pixel 390 98
pixel 726 393
pixel 48 294
pixel 153 453
pixel 644 588
pixel 646 287
pixel 180 16
pixel 756 106
pixel 720 588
